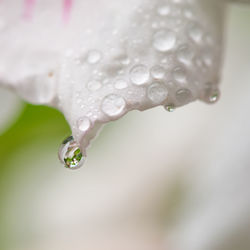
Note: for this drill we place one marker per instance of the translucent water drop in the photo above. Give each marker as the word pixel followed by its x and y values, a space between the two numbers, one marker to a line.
pixel 125 61
pixel 94 85
pixel 157 93
pixel 121 84
pixel 170 108
pixel 157 72
pixel 83 124
pixel 163 10
pixel 195 33
pixel 184 96
pixel 179 75
pixel 70 154
pixel 185 54
pixel 214 96
pixel 188 13
pixel 164 40
pixel 139 74
pixel 207 58
pixel 94 56
pixel 113 105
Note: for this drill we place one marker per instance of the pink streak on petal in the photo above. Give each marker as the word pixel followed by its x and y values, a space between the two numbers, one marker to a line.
pixel 28 9
pixel 67 7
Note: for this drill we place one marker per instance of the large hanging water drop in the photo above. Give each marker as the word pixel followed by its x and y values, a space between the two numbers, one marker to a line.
pixel 70 154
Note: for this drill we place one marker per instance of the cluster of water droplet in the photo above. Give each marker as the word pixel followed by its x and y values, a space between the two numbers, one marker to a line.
pixel 169 60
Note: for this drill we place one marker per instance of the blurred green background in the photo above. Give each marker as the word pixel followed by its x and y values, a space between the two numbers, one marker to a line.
pixel 26 148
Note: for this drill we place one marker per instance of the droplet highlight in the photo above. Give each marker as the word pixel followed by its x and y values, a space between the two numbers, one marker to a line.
pixel 170 108
pixel 163 10
pixel 214 96
pixel 94 56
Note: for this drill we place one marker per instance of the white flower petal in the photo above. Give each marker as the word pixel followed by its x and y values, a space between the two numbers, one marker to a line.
pixel 71 57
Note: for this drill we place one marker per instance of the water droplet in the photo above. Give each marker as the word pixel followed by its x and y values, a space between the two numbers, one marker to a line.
pixel 214 97
pixel 163 10
pixel 83 124
pixel 188 13
pixel 94 56
pixel 185 54
pixel 207 58
pixel 94 85
pixel 70 154
pixel 157 72
pixel 164 40
pixel 195 33
pixel 184 96
pixel 179 75
pixel 139 75
pixel 157 93
pixel 125 61
pixel 170 108
pixel 211 95
pixel 121 84
pixel 113 105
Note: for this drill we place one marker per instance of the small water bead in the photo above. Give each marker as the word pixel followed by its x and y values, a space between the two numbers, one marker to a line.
pixel 94 56
pixel 170 108
pixel 195 32
pixel 164 40
pixel 84 124
pixel 121 84
pixel 113 105
pixel 139 75
pixel 214 96
pixel 179 75
pixel 125 61
pixel 185 54
pixel 94 85
pixel 155 25
pixel 70 154
pixel 163 10
pixel 157 72
pixel 184 96
pixel 188 13
pixel 157 93
pixel 207 58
